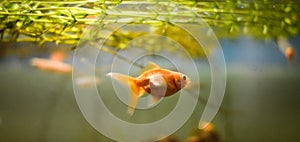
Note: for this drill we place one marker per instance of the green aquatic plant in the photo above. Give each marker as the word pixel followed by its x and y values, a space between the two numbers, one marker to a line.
pixel 63 22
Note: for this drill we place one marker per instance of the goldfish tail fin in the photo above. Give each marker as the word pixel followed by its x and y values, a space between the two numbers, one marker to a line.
pixel 135 90
pixel 132 104
pixel 124 79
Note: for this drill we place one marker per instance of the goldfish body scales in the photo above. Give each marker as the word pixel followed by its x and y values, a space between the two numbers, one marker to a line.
pixel 156 81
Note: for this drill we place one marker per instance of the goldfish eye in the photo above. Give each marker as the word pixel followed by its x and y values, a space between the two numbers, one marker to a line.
pixel 184 77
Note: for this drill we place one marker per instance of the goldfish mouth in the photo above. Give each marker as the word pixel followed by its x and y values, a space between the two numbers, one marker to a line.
pixel 186 82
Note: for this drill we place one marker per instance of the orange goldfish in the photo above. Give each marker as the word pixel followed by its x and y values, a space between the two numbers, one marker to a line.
pixel 206 126
pixel 205 133
pixel 54 64
pixel 289 53
pixel 286 48
pixel 156 81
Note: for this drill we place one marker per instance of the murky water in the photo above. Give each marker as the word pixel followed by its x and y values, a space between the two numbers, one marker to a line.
pixel 261 101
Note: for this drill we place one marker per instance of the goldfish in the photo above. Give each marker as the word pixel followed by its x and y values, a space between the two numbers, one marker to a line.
pixel 166 139
pixel 289 53
pixel 205 133
pixel 206 126
pixel 286 48
pixel 54 64
pixel 156 81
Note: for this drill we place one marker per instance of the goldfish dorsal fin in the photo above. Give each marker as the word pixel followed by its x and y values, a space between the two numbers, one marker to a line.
pixel 150 66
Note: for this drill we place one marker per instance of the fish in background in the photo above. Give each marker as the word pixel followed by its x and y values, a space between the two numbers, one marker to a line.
pixel 156 81
pixel 204 134
pixel 166 139
pixel 53 64
pixel 286 48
